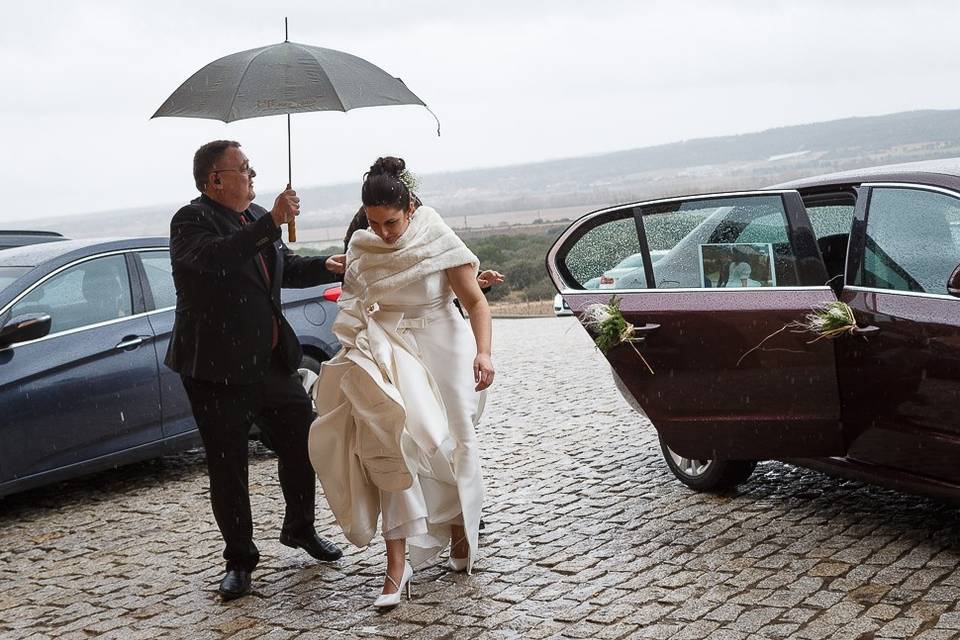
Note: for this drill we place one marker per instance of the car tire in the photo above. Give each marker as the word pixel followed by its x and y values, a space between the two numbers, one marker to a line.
pixel 707 475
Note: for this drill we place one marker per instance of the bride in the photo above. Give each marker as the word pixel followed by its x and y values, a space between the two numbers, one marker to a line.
pixel 397 406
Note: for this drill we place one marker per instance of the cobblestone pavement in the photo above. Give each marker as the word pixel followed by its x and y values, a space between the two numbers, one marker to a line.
pixel 588 536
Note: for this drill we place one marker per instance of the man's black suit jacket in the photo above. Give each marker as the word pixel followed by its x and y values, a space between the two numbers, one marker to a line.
pixel 224 327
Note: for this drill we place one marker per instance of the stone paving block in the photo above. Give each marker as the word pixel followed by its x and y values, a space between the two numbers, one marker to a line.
pixel 779 630
pixel 900 628
pixel 927 611
pixel 696 630
pixel 615 631
pixel 817 631
pixel 936 634
pixel 726 613
pixel 857 630
pixel 949 620
pixel 432 632
pixel 691 610
pixel 783 599
pixel 842 612
pixel 752 620
pixel 823 599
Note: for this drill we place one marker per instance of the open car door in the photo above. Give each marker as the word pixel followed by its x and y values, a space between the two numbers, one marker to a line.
pixel 718 274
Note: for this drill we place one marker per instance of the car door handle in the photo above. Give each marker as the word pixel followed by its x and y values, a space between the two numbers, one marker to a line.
pixel 640 333
pixel 129 342
pixel 649 327
pixel 870 329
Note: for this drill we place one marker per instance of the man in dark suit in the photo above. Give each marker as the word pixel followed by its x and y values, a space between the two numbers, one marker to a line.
pixel 237 355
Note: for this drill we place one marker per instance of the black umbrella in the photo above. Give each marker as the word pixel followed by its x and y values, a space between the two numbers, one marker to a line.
pixel 282 79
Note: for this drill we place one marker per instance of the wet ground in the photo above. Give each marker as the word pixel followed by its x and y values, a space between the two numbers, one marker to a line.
pixel 588 536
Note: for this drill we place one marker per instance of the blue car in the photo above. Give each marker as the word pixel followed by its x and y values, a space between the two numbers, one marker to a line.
pixel 84 327
pixel 17 238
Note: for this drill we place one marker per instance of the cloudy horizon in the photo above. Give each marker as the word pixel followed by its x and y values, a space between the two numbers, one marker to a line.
pixel 512 83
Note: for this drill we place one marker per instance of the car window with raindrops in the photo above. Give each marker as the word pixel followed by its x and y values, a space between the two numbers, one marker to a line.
pixel 611 243
pixel 912 240
pixel 159 273
pixel 724 242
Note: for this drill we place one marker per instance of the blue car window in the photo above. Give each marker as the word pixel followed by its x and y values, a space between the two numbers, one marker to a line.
pixel 87 293
pixel 159 272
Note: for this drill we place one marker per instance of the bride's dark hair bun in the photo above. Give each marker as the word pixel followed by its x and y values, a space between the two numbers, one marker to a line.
pixel 382 185
pixel 389 165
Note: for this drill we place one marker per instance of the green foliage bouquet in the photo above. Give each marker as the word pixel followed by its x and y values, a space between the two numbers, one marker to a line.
pixel 610 328
pixel 829 320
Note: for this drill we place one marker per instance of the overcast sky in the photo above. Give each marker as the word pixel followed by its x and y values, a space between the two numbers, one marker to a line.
pixel 512 81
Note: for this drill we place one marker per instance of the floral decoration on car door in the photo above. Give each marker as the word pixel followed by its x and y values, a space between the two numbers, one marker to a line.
pixel 610 328
pixel 830 320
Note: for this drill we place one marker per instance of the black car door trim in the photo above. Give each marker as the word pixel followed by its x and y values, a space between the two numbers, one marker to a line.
pixel 136 284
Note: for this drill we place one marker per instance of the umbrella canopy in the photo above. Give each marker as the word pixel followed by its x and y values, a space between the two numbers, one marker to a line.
pixel 282 79
pixel 285 78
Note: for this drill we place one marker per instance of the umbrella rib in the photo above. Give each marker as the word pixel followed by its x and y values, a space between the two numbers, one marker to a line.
pixel 240 82
pixel 325 74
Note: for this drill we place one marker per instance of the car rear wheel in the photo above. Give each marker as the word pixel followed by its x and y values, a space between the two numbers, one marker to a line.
pixel 706 474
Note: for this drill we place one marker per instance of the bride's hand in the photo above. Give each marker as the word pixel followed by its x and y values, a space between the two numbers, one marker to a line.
pixel 489 278
pixel 482 371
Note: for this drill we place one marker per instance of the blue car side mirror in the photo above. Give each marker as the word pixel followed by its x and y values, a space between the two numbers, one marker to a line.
pixel 26 327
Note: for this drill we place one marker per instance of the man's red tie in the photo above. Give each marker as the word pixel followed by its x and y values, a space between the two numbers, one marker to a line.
pixel 275 338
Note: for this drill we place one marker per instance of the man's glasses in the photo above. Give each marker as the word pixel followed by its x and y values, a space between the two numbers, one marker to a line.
pixel 248 170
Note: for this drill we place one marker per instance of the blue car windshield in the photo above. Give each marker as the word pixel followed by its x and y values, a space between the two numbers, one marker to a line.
pixel 9 274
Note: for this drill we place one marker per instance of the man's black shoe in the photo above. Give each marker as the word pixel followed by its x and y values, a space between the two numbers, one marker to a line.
pixel 235 584
pixel 314 545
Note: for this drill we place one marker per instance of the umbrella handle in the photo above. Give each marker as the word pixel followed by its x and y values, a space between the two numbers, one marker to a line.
pixel 291 227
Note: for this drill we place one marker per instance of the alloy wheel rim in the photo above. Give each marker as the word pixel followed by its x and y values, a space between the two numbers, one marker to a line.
pixel 691 467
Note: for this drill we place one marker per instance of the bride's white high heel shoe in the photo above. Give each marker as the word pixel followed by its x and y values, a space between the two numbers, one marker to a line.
pixel 456 564
pixel 393 599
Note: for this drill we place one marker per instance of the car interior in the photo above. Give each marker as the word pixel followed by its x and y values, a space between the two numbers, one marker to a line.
pixel 733 230
pixel 103 294
pixel 833 249
pixel 831 216
pixel 81 296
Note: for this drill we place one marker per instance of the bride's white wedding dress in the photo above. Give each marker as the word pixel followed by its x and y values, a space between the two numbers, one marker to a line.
pixel 397 407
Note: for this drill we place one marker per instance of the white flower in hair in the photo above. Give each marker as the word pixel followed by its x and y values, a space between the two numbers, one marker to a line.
pixel 409 179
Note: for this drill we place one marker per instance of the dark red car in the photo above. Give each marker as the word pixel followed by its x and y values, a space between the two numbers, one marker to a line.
pixel 727 272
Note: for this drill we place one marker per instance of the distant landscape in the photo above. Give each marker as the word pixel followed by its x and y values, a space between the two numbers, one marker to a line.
pixel 511 214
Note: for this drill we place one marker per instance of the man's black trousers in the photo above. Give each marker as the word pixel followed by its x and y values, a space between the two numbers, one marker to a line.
pixel 224 414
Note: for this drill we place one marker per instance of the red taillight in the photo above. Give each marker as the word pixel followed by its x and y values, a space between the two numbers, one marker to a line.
pixel 332 294
pixel 606 280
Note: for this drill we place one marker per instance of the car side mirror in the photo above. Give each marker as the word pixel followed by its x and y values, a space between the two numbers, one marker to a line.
pixel 953 283
pixel 26 327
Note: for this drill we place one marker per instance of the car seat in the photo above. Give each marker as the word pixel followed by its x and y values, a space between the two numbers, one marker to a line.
pixel 103 294
pixel 833 248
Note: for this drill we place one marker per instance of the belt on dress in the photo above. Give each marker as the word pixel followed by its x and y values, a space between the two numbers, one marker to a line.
pixel 419 322
pixel 422 322
pixel 413 323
